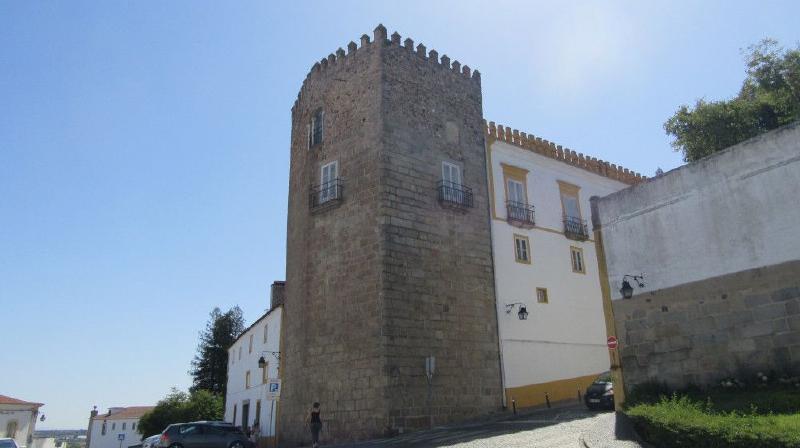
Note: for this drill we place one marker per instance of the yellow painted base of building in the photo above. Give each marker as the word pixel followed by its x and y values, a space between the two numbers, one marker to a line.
pixel 559 390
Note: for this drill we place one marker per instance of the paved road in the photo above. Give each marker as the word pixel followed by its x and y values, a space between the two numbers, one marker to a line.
pixel 552 428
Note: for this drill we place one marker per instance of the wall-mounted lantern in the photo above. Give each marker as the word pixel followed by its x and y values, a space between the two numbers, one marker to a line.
pixel 263 362
pixel 627 289
pixel 522 313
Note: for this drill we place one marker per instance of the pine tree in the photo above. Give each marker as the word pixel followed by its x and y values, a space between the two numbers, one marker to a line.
pixel 210 364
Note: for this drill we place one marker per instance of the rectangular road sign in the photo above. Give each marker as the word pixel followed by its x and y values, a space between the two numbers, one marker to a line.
pixel 274 388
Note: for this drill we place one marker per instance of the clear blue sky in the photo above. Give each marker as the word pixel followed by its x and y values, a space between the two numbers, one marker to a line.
pixel 144 150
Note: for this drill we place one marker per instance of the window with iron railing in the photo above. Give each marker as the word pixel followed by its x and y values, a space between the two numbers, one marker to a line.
pixel 455 195
pixel 327 194
pixel 520 213
pixel 575 228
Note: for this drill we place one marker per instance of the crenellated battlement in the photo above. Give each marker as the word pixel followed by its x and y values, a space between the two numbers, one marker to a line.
pixel 558 152
pixel 341 57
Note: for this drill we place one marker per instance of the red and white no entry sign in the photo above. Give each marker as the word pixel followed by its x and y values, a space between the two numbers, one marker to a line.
pixel 612 342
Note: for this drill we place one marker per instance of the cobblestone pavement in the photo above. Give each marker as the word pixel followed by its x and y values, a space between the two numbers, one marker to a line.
pixel 552 428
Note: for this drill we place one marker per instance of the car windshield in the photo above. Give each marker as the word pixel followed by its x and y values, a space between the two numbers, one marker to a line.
pixel 605 378
pixel 7 444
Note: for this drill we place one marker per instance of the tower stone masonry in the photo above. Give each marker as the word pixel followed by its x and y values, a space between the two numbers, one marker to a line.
pixel 386 275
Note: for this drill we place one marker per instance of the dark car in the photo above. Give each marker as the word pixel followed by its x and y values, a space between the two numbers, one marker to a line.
pixel 600 395
pixel 204 435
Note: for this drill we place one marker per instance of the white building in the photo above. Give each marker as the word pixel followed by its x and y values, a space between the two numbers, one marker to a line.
pixel 18 419
pixel 248 402
pixel 45 442
pixel 544 261
pixel 117 428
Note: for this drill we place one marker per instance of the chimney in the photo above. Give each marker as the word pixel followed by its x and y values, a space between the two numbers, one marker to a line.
pixel 277 294
pixel 92 415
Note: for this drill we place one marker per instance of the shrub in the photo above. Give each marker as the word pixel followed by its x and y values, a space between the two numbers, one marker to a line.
pixel 682 422
pixel 180 407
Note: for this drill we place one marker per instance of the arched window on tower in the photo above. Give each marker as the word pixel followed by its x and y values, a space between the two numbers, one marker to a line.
pixel 315 128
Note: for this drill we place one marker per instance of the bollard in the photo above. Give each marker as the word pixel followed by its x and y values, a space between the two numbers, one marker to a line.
pixel 579 395
pixel 514 405
pixel 547 399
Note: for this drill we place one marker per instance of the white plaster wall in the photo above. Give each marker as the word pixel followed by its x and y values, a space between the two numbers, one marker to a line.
pixel 26 422
pixel 113 428
pixel 237 393
pixel 44 442
pixel 543 191
pixel 564 338
pixel 730 212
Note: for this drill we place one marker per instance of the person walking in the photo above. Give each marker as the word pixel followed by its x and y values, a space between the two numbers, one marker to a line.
pixel 314 423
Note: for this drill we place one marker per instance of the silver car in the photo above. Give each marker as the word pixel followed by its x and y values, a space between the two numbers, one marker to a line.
pixel 151 442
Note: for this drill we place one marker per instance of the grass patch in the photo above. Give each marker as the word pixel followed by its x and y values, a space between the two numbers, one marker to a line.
pixel 758 418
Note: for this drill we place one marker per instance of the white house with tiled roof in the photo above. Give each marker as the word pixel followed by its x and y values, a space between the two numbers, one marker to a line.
pixel 253 361
pixel 545 264
pixel 18 419
pixel 116 428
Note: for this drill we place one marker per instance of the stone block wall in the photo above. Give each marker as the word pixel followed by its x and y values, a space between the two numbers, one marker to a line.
pixel 388 276
pixel 330 335
pixel 438 277
pixel 701 332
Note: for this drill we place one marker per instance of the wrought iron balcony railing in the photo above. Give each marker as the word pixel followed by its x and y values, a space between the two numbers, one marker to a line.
pixel 520 213
pixel 454 195
pixel 326 195
pixel 575 228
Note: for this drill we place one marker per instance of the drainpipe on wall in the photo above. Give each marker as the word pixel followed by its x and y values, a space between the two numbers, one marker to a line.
pixel 608 309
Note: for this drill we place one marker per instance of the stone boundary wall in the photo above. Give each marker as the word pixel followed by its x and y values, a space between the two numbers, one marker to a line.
pixel 701 332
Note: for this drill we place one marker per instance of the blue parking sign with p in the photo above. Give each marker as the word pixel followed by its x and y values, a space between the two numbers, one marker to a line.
pixel 274 388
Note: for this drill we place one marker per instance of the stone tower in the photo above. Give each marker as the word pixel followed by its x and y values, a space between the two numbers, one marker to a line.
pixel 386 265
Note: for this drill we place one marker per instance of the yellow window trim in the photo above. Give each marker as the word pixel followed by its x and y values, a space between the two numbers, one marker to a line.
pixel 568 189
pixel 528 247
pixel 546 297
pixel 572 262
pixel 515 173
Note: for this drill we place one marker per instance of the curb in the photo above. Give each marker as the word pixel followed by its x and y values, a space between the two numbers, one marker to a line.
pixel 620 419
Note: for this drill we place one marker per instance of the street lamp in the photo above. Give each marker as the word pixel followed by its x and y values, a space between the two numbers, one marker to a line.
pixel 627 289
pixel 522 314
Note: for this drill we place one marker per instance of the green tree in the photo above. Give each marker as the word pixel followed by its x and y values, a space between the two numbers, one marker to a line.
pixel 210 364
pixel 179 407
pixel 769 98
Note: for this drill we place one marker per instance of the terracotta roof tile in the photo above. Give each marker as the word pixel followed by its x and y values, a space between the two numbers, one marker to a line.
pixel 130 412
pixel 4 399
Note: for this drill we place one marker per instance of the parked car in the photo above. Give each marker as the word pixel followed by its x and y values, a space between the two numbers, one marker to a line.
pixel 600 395
pixel 8 443
pixel 151 442
pixel 204 435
